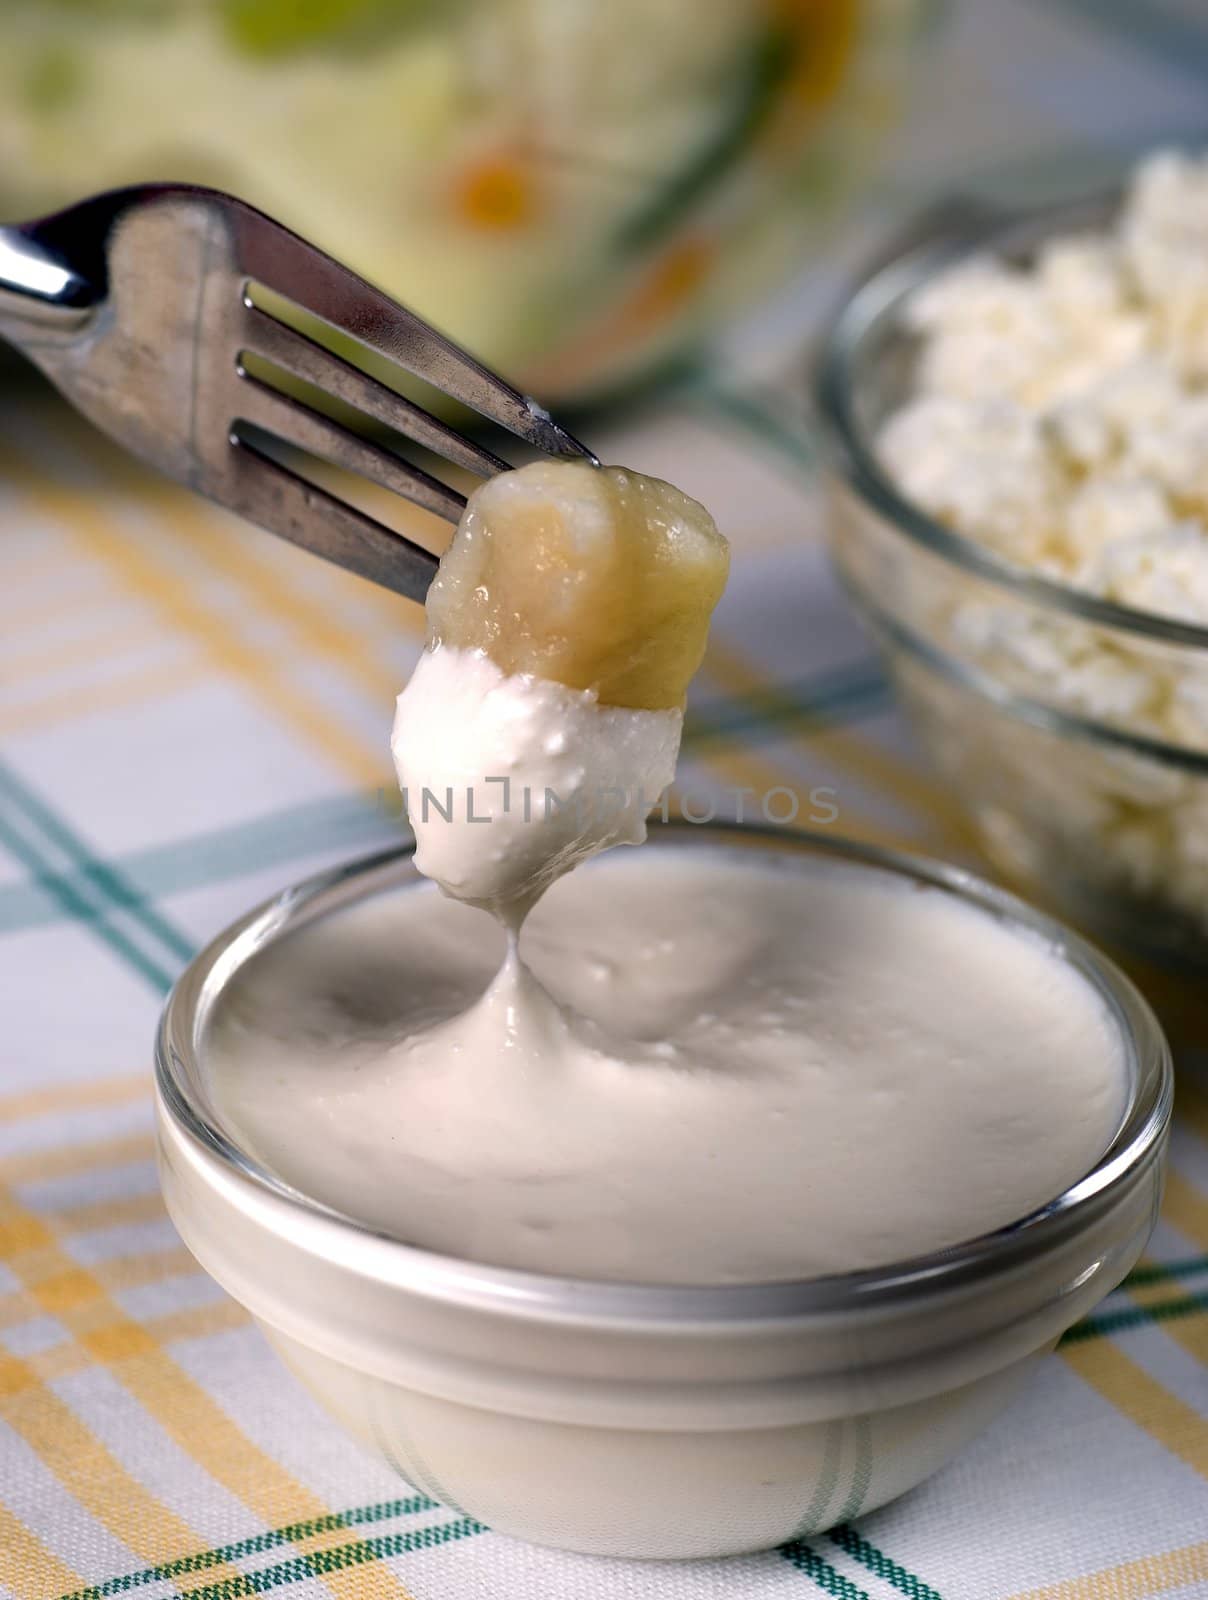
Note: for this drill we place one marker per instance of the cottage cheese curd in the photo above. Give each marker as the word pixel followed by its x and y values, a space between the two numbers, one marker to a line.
pixel 1060 409
pixel 1058 414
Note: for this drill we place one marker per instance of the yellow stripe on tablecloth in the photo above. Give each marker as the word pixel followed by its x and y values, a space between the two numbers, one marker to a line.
pixel 313 624
pixel 123 1272
pixel 183 1410
pixel 1141 1398
pixel 84 1096
pixel 169 593
pixel 83 1465
pixel 86 699
pixel 118 639
pixel 120 1212
pixel 741 678
pixel 27 1568
pixel 1131 1580
pixel 199 1322
pixel 128 475
pixel 1185 1208
pixel 27 1166
pixel 65 1444
pixel 90 1473
pixel 17 1306
pixel 224 544
pixel 65 602
pixel 132 1272
pixel 191 1322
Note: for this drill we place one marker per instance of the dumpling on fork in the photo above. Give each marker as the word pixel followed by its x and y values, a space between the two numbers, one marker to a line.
pixel 568 616
pixel 594 577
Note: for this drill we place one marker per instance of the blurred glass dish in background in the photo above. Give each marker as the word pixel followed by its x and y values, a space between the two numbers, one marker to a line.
pixel 1094 800
pixel 575 189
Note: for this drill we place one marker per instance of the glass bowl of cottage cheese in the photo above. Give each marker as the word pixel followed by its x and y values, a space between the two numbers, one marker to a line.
pixel 1016 417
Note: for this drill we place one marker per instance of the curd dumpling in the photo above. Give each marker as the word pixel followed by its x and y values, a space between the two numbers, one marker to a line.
pixel 593 577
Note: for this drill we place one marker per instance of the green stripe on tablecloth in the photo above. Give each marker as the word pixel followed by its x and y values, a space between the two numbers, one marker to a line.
pixel 256 1544
pixel 81 910
pixel 108 880
pixel 807 1560
pixel 344 822
pixel 1163 1271
pixel 1136 1317
pixel 856 1546
pixel 320 1563
pixel 302 1566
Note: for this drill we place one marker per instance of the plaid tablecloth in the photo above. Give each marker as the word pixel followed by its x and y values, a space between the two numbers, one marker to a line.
pixel 192 715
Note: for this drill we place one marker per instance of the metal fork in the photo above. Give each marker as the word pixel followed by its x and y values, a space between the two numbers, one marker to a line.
pixel 138 305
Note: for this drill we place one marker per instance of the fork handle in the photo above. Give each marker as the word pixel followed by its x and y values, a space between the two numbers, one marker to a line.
pixel 38 291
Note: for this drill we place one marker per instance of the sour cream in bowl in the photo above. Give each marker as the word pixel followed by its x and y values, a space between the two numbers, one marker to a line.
pixel 744 1223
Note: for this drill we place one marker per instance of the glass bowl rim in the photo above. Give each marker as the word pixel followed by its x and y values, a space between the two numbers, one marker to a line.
pixel 1138 1140
pixel 940 238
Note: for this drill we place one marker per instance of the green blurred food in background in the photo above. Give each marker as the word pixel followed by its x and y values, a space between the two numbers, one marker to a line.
pixel 575 189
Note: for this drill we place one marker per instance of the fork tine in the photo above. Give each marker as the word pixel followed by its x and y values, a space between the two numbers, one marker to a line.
pixel 296 424
pixel 278 499
pixel 294 353
pixel 272 255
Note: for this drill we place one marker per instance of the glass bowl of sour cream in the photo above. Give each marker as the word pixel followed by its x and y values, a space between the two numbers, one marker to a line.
pixel 1013 413
pixel 881 1134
